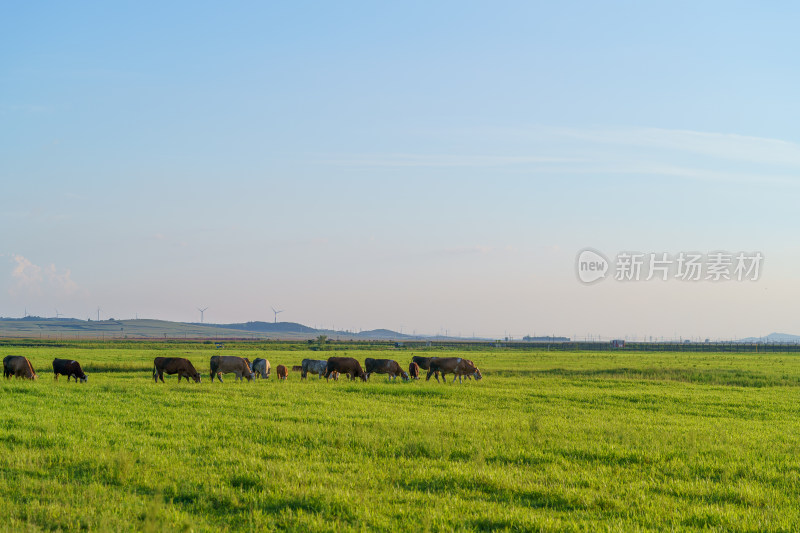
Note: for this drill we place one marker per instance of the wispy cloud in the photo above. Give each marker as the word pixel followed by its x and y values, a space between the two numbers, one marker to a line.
pixel 32 278
pixel 23 108
pixel 169 241
pixel 472 250
pixel 726 146
pixel 681 154
pixel 26 274
pixel 420 160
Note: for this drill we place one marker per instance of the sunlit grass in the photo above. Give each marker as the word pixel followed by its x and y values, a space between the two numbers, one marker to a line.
pixel 546 441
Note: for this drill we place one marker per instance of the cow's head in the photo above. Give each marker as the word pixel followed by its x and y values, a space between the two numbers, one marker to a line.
pixel 404 376
pixel 84 378
pixel 363 375
pixel 196 377
pixel 477 374
pixel 251 376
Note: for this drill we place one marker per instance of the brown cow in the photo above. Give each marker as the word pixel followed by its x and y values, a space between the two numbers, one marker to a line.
pixel 18 366
pixel 174 365
pixel 457 366
pixel 424 363
pixel 69 368
pixel 224 364
pixel 413 370
pixel 345 365
pixel 384 366
pixel 282 372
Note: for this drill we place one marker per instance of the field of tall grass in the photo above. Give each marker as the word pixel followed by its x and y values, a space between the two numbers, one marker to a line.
pixel 545 442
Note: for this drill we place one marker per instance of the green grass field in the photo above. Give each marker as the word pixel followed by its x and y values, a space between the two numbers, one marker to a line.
pixel 545 442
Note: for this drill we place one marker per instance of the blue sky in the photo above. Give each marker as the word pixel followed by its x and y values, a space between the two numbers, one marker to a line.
pixel 435 166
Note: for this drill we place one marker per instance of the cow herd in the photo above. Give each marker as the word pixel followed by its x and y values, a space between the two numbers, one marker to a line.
pixel 20 367
pixel 242 368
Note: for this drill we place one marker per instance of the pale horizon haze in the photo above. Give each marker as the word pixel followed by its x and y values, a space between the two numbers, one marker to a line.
pixel 426 166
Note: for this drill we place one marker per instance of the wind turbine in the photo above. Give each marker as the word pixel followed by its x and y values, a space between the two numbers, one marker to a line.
pixel 276 313
pixel 58 314
pixel 201 313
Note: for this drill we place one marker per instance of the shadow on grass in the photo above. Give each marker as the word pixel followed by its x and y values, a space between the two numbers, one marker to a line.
pixel 488 490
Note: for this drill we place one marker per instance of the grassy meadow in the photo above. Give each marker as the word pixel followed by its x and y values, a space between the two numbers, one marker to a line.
pixel 547 441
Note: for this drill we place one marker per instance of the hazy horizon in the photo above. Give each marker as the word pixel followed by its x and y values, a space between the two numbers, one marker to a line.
pixel 415 167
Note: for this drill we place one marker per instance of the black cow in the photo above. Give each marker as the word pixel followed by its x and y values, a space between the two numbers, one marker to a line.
pixel 69 368
pixel 174 365
pixel 345 365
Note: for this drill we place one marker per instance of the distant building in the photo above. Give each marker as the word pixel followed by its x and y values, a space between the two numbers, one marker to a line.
pixel 618 343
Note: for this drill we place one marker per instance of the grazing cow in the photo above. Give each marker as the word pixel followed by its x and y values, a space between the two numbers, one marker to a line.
pixel 424 363
pixel 345 365
pixel 384 366
pixel 457 366
pixel 282 372
pixel 261 368
pixel 413 370
pixel 174 365
pixel 225 364
pixel 18 366
pixel 69 368
pixel 313 366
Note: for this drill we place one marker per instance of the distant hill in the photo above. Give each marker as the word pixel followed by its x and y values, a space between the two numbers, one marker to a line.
pixel 71 328
pixel 777 338
pixel 381 334
pixel 269 327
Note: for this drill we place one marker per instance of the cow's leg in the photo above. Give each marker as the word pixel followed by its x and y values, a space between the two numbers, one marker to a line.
pixel 161 375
